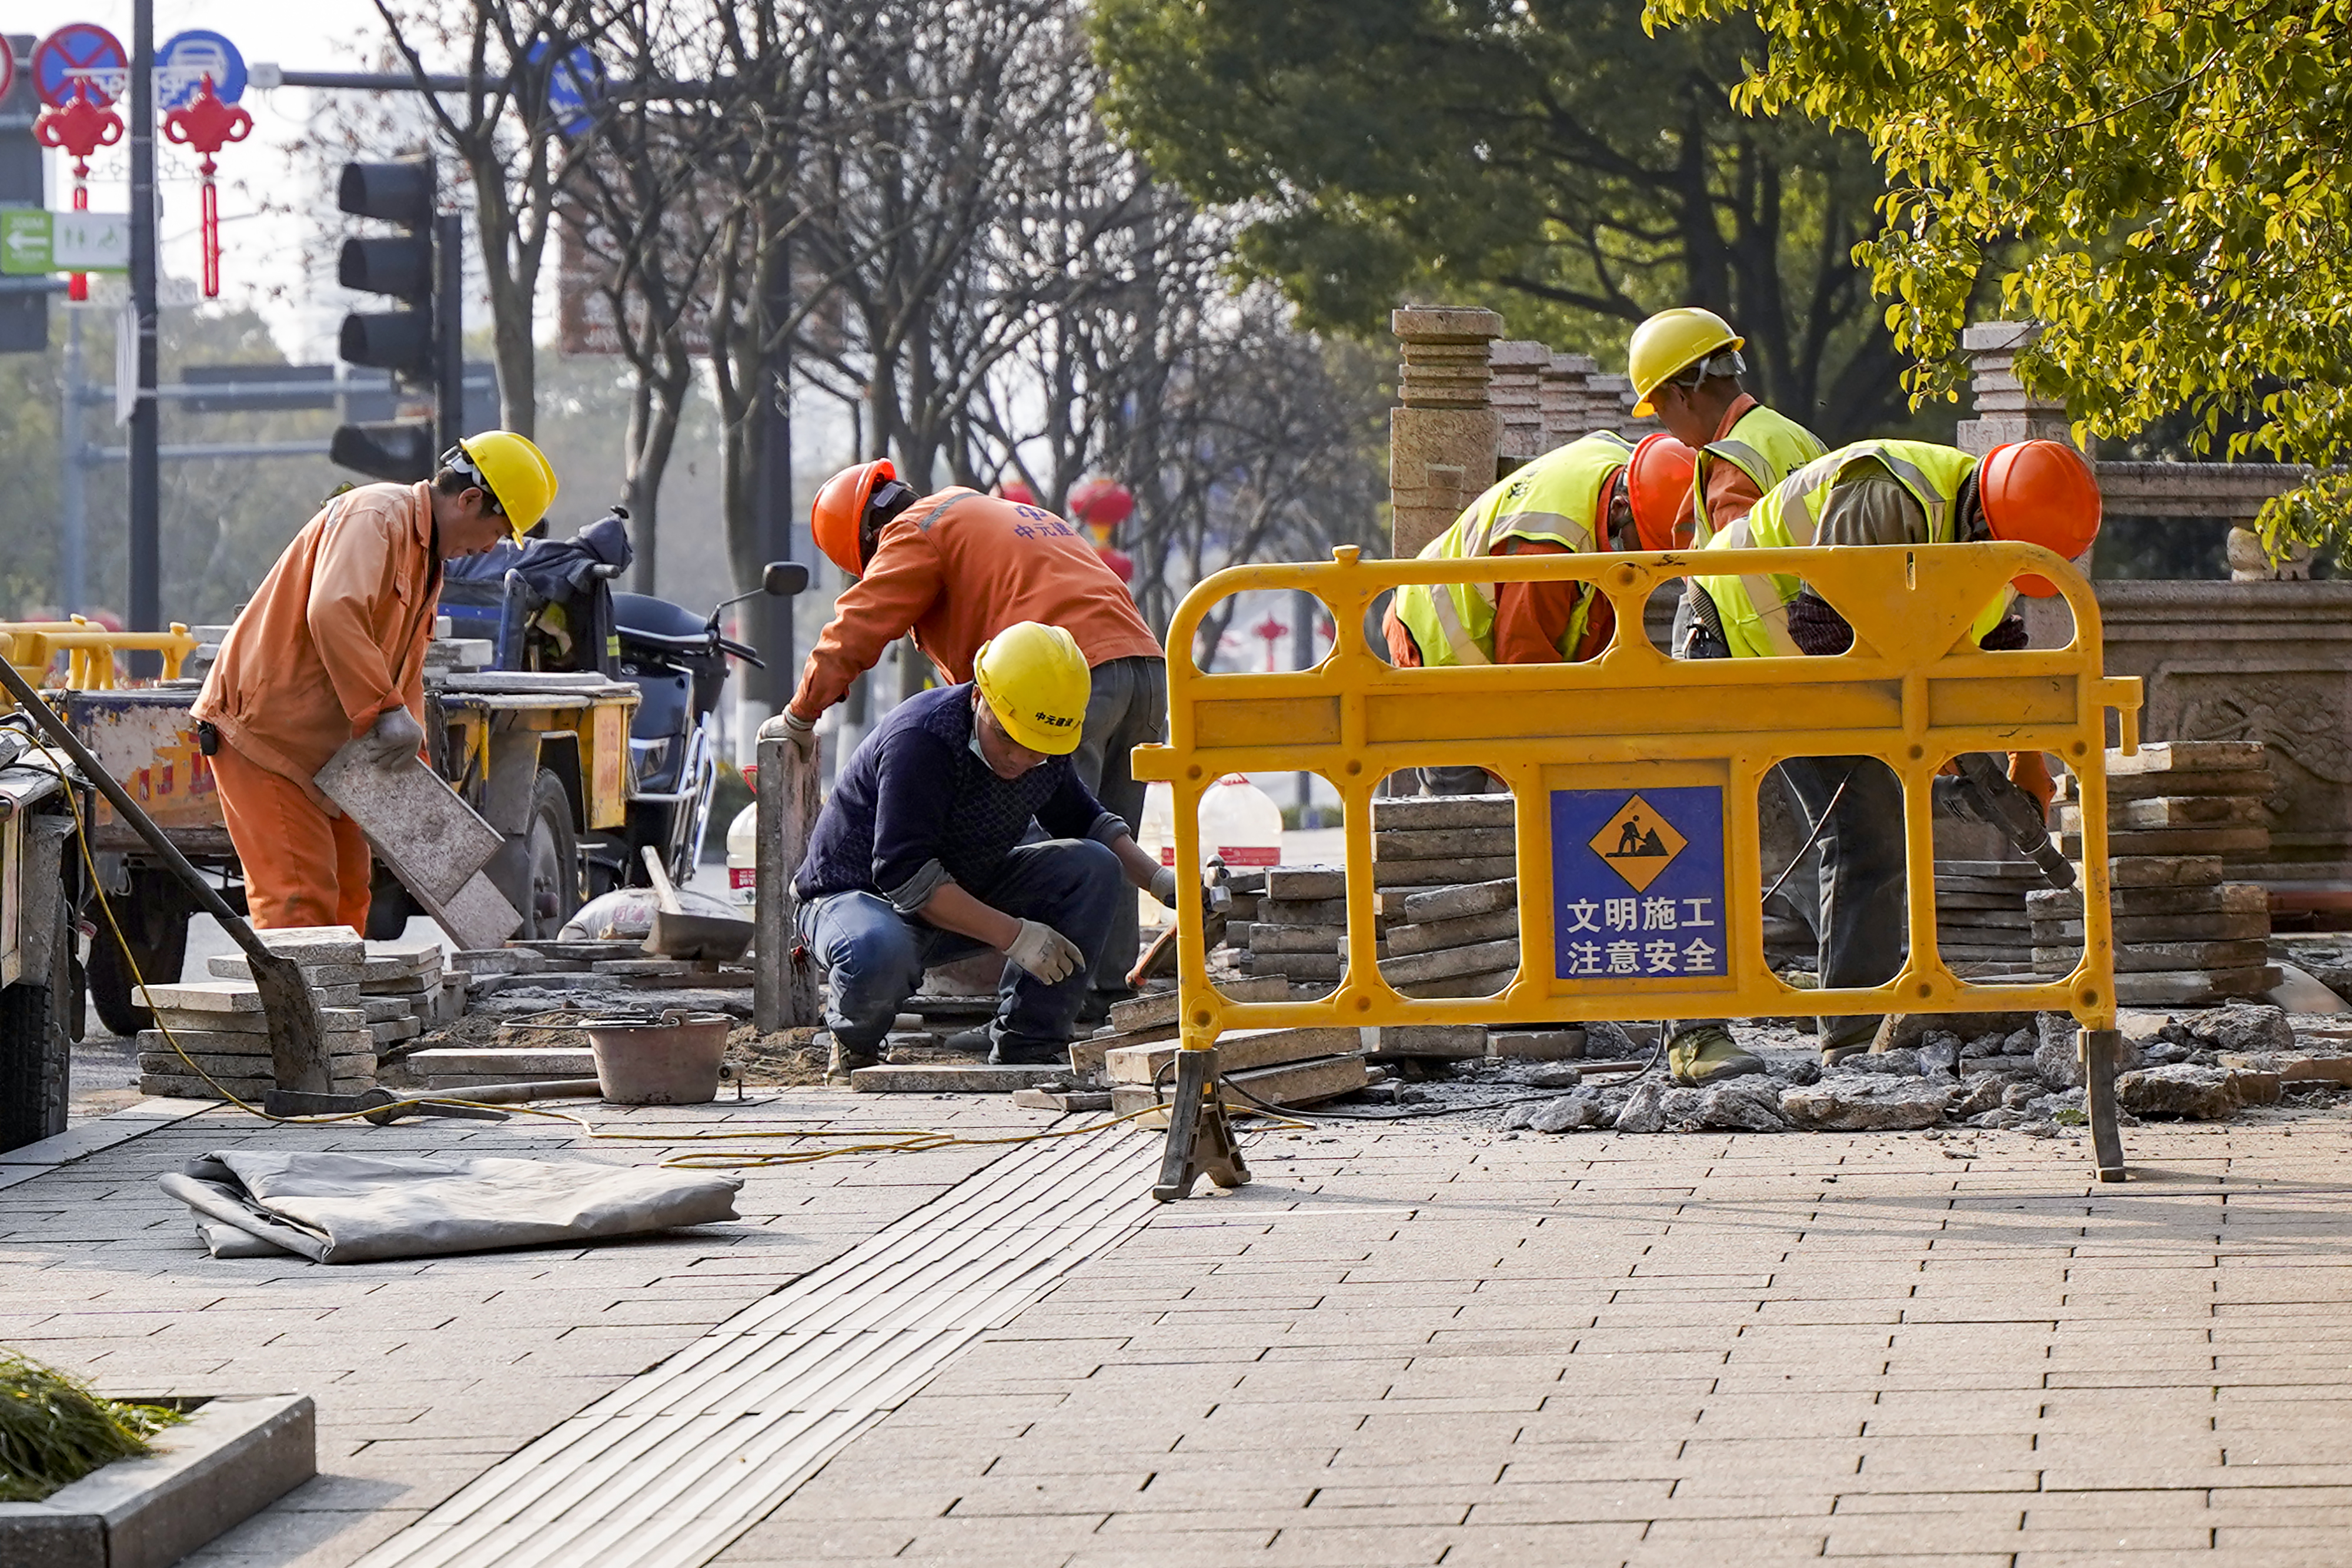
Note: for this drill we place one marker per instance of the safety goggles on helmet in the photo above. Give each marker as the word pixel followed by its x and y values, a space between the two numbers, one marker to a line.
pixel 459 461
pixel 1723 362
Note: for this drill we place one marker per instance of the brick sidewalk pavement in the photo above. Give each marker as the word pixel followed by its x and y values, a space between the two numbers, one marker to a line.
pixel 1404 1347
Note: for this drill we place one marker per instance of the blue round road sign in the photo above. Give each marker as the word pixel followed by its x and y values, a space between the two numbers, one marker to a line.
pixel 187 58
pixel 573 87
pixel 76 53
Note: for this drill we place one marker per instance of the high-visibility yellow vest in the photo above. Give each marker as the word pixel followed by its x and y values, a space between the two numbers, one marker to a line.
pixel 1554 499
pixel 1765 444
pixel 1754 610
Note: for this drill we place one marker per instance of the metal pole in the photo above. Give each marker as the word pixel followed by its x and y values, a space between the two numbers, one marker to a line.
pixel 73 494
pixel 146 472
pixel 449 327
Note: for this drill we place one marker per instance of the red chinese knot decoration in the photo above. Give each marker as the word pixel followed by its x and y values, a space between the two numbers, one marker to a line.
pixel 207 125
pixel 82 126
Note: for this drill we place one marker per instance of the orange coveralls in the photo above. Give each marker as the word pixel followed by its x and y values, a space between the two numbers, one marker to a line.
pixel 957 568
pixel 335 638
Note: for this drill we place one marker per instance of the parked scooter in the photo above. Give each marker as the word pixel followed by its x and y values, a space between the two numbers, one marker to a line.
pixel 551 606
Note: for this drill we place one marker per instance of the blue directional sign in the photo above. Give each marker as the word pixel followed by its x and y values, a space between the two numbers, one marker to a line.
pixel 1637 884
pixel 573 86
pixel 187 58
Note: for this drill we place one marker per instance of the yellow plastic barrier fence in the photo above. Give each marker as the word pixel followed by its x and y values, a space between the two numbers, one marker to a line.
pixel 89 648
pixel 1635 778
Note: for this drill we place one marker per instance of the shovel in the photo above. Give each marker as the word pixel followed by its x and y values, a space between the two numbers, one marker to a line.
pixel 705 938
pixel 297 1035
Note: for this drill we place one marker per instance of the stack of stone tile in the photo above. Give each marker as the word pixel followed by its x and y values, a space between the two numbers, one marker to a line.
pixel 220 1026
pixel 1980 918
pixel 1301 929
pixel 1276 1066
pixel 2184 935
pixel 1447 869
pixel 399 983
pixel 1516 394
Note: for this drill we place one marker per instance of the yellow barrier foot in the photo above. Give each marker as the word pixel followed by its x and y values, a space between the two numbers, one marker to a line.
pixel 2102 1049
pixel 1200 1138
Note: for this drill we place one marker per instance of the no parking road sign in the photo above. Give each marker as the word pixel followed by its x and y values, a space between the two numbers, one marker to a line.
pixel 1638 882
pixel 76 54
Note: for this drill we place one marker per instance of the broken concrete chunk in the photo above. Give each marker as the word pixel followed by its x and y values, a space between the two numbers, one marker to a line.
pixel 2237 1027
pixel 2193 1094
pixel 1644 1109
pixel 1570 1113
pixel 1863 1105
pixel 1745 1105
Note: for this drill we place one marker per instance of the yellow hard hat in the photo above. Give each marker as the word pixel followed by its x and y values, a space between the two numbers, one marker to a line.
pixel 1036 682
pixel 1671 342
pixel 516 474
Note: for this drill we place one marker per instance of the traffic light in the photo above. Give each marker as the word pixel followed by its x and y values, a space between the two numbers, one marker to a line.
pixel 418 342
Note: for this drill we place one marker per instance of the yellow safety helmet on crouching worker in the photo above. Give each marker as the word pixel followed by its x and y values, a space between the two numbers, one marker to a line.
pixel 511 470
pixel 1036 681
pixel 1671 342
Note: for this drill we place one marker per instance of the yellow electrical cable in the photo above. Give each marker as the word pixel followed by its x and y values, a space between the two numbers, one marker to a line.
pixel 897 1140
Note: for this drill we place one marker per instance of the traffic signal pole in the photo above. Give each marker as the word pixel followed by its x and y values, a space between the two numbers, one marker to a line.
pixel 146 471
pixel 449 329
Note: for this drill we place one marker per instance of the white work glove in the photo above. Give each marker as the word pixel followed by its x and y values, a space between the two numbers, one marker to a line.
pixel 801 733
pixel 1045 952
pixel 1163 885
pixel 393 737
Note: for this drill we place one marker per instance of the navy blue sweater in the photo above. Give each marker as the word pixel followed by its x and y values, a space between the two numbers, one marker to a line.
pixel 917 807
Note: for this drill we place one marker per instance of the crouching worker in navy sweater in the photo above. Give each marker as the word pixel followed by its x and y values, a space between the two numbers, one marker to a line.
pixel 917 857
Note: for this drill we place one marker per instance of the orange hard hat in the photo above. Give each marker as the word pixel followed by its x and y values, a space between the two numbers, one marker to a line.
pixel 838 513
pixel 1658 482
pixel 2040 493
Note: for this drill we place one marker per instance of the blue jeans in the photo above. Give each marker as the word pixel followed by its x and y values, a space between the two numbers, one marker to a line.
pixel 873 957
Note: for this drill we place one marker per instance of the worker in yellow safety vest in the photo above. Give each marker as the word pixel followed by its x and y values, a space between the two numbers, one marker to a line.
pixel 1599 492
pixel 1686 367
pixel 1904 492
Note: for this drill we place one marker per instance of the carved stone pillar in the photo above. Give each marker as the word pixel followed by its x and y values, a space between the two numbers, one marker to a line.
pixel 1516 393
pixel 2005 410
pixel 1443 436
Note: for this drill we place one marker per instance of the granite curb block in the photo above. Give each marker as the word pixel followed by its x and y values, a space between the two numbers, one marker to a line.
pixel 232 1459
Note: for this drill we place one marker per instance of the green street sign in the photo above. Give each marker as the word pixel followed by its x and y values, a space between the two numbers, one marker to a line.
pixel 33 240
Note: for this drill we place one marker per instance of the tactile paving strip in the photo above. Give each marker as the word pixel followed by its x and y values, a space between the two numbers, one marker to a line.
pixel 666 1470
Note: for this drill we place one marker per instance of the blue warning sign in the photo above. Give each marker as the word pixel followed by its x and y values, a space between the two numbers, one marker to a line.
pixel 1637 883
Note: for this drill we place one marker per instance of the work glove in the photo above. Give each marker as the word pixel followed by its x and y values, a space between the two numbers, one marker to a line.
pixel 1163 885
pixel 393 737
pixel 1046 953
pixel 801 733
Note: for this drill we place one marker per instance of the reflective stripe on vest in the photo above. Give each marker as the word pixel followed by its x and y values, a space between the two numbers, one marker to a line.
pixel 1554 499
pixel 1763 444
pixel 1754 609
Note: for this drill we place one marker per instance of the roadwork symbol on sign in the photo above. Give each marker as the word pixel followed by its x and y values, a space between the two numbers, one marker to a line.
pixel 1637 883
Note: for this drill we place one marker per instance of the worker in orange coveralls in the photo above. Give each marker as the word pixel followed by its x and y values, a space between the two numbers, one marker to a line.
pixel 332 648
pixel 955 569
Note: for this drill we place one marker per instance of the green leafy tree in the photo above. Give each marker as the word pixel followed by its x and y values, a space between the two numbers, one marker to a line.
pixel 2165 186
pixel 1546 156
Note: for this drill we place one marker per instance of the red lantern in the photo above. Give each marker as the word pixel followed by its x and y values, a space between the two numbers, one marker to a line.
pixel 1014 491
pixel 207 124
pixel 1102 505
pixel 81 126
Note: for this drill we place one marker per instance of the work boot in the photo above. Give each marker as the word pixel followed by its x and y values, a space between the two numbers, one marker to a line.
pixel 1707 1055
pixel 1837 1047
pixel 974 1042
pixel 842 1061
pixel 1005 1050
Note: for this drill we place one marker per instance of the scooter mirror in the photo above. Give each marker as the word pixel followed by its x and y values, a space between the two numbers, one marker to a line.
pixel 784 578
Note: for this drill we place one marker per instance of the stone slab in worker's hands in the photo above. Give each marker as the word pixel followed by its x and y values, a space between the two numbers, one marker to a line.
pixel 433 841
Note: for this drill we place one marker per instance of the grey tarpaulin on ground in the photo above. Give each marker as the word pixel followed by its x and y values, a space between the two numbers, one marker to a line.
pixel 358 1208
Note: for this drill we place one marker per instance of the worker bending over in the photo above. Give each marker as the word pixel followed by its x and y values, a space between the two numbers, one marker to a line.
pixel 1907 493
pixel 1599 492
pixel 332 648
pixel 957 568
pixel 1685 368
pixel 917 857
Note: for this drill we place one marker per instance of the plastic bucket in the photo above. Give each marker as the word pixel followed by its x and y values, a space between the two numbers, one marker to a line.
pixel 673 1062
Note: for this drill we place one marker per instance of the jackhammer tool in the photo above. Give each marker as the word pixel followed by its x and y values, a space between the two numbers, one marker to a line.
pixel 297 1035
pixel 1981 792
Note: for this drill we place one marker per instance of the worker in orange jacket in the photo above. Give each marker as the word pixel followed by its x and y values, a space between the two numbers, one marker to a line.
pixel 332 648
pixel 956 567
